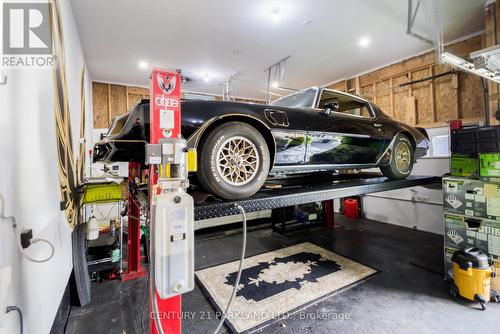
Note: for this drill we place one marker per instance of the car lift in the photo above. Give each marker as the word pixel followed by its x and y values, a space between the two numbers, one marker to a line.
pixel 284 195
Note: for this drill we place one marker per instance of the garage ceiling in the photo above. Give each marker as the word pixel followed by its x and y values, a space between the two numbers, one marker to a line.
pixel 212 39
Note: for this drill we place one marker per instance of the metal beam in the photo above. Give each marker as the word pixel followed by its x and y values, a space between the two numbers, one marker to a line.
pixel 289 196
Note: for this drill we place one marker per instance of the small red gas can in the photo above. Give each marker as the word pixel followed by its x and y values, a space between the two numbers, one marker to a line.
pixel 351 208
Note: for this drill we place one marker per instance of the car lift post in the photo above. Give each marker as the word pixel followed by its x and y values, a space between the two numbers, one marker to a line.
pixel 134 228
pixel 329 214
pixel 165 120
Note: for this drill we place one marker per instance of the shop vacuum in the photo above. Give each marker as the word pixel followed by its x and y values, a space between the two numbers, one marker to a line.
pixel 472 274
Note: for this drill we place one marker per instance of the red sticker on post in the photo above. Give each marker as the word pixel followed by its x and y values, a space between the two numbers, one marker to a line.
pixel 165 105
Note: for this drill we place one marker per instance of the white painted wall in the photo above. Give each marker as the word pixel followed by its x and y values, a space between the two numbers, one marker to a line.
pixel 416 207
pixel 29 182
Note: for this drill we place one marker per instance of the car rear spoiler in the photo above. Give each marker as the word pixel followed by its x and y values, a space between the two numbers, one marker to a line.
pixel 423 131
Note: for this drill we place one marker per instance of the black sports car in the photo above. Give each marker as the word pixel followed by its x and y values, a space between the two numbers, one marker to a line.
pixel 240 144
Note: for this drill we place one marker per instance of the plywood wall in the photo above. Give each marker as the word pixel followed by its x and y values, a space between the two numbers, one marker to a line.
pixel 110 100
pixel 430 103
pixel 492 38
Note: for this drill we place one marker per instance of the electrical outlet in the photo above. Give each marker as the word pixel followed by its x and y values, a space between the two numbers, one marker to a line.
pixel 5 278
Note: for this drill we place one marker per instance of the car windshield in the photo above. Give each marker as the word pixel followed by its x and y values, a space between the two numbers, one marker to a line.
pixel 302 99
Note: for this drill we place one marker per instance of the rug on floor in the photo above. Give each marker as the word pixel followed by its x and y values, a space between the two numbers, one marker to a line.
pixel 275 284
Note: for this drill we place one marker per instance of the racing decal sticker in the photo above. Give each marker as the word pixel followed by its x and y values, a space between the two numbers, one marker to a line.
pixel 166 82
pixel 165 110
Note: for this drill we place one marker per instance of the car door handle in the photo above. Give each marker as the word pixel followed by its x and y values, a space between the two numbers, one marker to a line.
pixel 377 125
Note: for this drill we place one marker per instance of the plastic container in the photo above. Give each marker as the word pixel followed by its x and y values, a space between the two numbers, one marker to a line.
pixel 351 208
pixel 173 243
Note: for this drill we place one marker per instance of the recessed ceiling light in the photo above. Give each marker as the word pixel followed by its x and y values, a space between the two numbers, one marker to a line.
pixel 275 84
pixel 364 41
pixel 275 15
pixel 142 64
pixel 206 77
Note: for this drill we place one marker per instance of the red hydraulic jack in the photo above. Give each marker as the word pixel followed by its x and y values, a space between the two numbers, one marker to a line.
pixel 165 120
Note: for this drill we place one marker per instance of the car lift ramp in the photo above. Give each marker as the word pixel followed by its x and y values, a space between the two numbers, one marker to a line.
pixel 308 192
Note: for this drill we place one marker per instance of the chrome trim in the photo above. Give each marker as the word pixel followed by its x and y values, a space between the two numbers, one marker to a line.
pixel 347 94
pixel 272 121
pixel 339 134
pixel 308 168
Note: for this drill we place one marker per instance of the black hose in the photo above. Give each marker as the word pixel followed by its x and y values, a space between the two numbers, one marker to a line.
pixel 18 310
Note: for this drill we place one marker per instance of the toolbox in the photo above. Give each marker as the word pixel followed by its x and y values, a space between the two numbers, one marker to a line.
pixel 489 167
pixel 474 140
pixel 464 165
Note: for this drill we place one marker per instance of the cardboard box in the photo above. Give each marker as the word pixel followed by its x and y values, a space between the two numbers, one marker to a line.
pixel 463 196
pixel 472 198
pixel 463 232
pixel 464 166
pixel 455 235
pixel 489 167
pixel 448 269
pixel 495 282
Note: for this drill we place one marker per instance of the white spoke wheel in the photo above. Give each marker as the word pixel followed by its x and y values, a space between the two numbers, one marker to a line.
pixel 238 161
pixel 234 160
pixel 402 159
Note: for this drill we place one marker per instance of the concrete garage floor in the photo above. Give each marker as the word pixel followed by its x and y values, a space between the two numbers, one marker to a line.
pixel 402 298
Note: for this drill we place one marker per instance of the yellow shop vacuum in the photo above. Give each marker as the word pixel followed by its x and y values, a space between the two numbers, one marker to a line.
pixel 472 274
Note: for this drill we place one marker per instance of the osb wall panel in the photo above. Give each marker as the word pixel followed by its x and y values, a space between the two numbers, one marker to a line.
pixel 133 99
pixel 445 95
pixel 100 105
pixel 429 103
pixel 400 95
pixel 368 92
pixel 423 97
pixel 118 100
pixel 492 37
pixel 383 89
pixel 471 98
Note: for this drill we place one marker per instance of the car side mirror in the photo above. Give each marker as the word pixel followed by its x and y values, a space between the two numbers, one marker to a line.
pixel 329 107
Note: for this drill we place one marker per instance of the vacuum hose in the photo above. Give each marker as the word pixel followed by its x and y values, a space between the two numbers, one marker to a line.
pixel 236 283
pixel 240 269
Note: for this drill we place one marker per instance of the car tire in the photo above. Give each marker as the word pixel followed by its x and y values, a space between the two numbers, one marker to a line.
pixel 402 159
pixel 234 161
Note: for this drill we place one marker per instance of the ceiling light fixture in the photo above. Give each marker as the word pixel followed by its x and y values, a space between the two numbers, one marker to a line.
pixel 142 64
pixel 453 60
pixel 464 65
pixel 364 41
pixel 206 77
pixel 275 15
pixel 275 84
